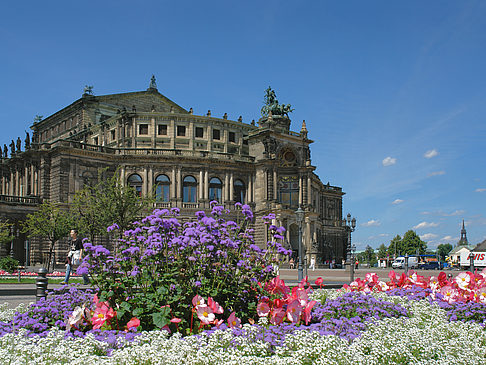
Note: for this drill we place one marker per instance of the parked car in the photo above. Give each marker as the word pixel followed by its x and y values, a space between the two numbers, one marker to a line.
pixel 431 265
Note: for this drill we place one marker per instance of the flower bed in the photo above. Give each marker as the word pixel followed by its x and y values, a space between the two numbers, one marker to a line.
pixel 203 293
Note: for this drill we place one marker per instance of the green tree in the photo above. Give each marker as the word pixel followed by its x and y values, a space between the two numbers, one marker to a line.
pixel 382 251
pixel 5 232
pixel 412 244
pixel 369 255
pixel 49 222
pixel 443 250
pixel 100 205
pixel 395 248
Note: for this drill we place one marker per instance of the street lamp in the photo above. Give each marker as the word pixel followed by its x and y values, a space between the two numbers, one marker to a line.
pixel 350 225
pixel 471 261
pixel 351 274
pixel 299 214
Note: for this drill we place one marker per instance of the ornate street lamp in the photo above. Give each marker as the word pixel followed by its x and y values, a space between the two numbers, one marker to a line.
pixel 299 214
pixel 351 274
pixel 471 261
pixel 350 225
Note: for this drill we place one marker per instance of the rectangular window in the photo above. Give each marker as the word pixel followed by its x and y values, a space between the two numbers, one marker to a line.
pixel 181 131
pixel 112 134
pixel 216 134
pixel 95 140
pixel 143 129
pixel 162 130
pixel 199 132
pixel 232 137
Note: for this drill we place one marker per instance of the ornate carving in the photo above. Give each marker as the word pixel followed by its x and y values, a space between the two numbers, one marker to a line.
pixel 12 148
pixel 88 90
pixel 270 145
pixel 27 140
pixel 5 151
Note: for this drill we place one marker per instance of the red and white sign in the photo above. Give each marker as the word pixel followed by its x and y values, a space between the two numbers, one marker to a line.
pixel 479 259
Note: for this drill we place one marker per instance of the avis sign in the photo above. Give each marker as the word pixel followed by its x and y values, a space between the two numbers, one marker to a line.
pixel 479 259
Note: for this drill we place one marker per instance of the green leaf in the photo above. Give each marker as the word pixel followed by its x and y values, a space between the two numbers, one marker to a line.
pixel 159 319
pixel 137 311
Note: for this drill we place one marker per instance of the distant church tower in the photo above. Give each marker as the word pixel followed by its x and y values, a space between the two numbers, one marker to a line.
pixel 463 240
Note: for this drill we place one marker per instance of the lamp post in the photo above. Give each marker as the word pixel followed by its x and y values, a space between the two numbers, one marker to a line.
pixel 299 213
pixel 351 273
pixel 471 261
pixel 350 225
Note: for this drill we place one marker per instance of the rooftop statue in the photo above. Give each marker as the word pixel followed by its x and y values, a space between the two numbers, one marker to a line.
pixel 153 83
pixel 88 90
pixel 272 105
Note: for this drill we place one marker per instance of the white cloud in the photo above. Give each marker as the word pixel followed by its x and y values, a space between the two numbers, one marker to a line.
pixel 397 201
pixel 480 190
pixel 444 214
pixel 436 173
pixel 427 236
pixel 425 225
pixel 431 153
pixel 447 238
pixel 389 161
pixel 371 223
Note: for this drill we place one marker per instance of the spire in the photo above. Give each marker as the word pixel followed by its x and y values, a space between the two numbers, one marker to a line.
pixel 153 84
pixel 303 130
pixel 463 241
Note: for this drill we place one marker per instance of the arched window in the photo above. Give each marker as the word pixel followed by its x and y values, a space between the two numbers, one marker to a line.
pixel 162 185
pixel 189 189
pixel 135 181
pixel 215 189
pixel 239 191
pixel 288 191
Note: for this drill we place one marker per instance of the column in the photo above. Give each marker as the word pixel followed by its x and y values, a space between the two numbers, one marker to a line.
pixel 249 193
pixel 201 185
pixel 154 132
pixel 309 190
pixel 17 182
pixel 206 185
pixel 231 190
pixel 274 184
pixel 26 177
pixel 150 180
pixel 190 134
pixel 300 190
pixel 173 185
pixel 32 179
pixel 179 183
pixel 225 188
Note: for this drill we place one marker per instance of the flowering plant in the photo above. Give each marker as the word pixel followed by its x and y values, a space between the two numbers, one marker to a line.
pixel 161 264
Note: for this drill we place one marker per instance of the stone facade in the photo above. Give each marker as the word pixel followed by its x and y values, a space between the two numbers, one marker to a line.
pixel 186 159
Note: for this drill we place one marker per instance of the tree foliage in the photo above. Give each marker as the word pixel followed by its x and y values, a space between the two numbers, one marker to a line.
pixel 107 202
pixel 443 250
pixel 5 232
pixel 382 251
pixel 49 222
pixel 395 248
pixel 369 255
pixel 410 244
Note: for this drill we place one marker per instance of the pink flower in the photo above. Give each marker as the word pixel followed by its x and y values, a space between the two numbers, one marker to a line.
pixel 75 318
pixel 175 320
pixel 102 313
pixel 463 280
pixel 233 321
pixel 205 314
pixel 371 277
pixel 263 309
pixel 134 322
pixel 277 316
pixel 215 307
pixel 197 300
pixel 294 309
pixel 319 282
pixel 307 311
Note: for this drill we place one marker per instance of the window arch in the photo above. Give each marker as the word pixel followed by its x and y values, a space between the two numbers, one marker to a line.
pixel 288 191
pixel 239 191
pixel 189 186
pixel 162 188
pixel 215 189
pixel 135 181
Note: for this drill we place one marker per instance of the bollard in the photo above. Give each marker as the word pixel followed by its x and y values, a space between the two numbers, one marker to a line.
pixel 41 284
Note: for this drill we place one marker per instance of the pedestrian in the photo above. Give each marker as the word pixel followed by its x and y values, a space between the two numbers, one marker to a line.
pixel 74 256
pixel 357 264
pixel 313 263
pixel 291 263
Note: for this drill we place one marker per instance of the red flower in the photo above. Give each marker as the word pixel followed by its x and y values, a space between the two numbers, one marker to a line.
pixel 134 322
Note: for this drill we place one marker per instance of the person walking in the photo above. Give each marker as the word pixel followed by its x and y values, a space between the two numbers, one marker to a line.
pixel 74 256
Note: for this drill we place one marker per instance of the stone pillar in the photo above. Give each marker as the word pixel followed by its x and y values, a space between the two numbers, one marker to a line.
pixel 172 135
pixel 225 192
pixel 154 132
pixel 206 184
pixel 173 185
pixel 17 182
pixel 275 184
pixel 201 185
pixel 179 183
pixel 309 190
pixel 231 190
pixel 210 138
pixel 190 134
pixel 32 179
pixel 150 180
pixel 300 190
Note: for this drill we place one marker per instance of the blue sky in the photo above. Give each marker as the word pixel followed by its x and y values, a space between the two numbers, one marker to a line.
pixel 393 93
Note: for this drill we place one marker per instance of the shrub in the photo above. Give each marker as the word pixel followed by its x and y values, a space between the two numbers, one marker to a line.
pixel 161 265
pixel 8 264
